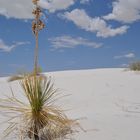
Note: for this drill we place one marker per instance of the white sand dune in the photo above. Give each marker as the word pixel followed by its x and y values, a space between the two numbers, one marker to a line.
pixel 108 100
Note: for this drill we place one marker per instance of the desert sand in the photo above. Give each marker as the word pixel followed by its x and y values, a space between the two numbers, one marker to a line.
pixel 107 102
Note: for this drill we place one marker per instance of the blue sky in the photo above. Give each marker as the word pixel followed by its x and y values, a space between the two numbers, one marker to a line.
pixel 79 34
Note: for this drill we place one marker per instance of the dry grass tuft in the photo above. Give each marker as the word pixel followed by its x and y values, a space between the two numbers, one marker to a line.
pixel 15 77
pixel 22 75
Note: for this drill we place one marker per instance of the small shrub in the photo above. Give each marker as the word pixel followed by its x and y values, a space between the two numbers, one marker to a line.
pixel 135 66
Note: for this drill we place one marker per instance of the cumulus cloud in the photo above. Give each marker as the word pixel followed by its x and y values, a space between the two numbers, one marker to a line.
pixel 72 42
pixel 22 9
pixel 80 18
pixel 126 11
pixel 54 5
pixel 9 48
pixel 129 55
pixel 19 9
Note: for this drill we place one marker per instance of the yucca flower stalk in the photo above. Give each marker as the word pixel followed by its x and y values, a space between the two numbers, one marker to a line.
pixel 37 25
pixel 37 118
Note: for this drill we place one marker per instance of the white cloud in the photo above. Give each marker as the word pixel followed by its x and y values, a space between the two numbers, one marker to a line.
pixel 84 1
pixel 54 5
pixel 99 26
pixel 126 11
pixel 9 48
pixel 22 9
pixel 72 42
pixel 129 55
pixel 19 9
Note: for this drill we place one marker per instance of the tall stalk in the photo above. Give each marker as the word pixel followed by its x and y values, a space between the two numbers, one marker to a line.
pixel 37 25
pixel 36 51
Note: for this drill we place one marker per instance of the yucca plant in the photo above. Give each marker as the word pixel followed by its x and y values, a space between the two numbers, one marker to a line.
pixel 37 118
